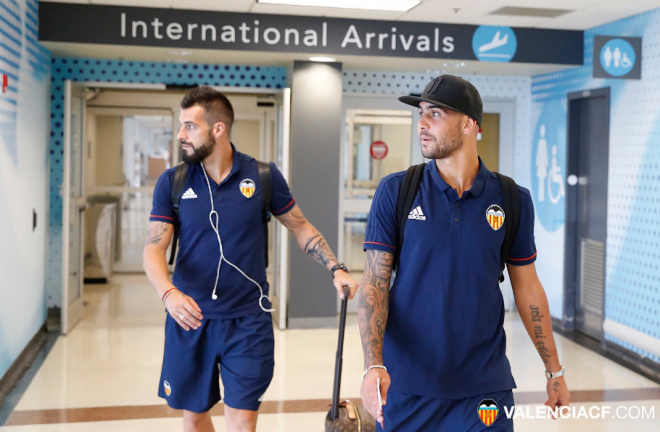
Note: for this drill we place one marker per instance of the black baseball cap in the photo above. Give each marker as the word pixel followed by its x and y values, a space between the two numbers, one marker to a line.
pixel 452 92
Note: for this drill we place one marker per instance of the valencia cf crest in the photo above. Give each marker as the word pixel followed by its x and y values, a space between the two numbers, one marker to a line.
pixel 495 217
pixel 247 188
pixel 168 389
pixel 488 410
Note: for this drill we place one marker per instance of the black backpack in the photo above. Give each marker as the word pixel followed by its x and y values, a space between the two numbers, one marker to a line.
pixel 510 196
pixel 265 180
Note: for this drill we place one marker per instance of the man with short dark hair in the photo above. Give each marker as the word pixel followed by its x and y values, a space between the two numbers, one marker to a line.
pixel 435 341
pixel 219 288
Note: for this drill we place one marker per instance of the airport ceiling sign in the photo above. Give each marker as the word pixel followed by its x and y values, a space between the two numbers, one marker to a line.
pixel 180 28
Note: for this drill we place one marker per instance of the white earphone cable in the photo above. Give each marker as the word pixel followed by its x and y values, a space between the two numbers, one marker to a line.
pixel 215 225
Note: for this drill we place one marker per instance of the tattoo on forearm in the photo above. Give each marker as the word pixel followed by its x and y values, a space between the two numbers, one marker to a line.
pixel 315 245
pixel 310 240
pixel 318 249
pixel 293 219
pixel 373 306
pixel 539 335
pixel 156 232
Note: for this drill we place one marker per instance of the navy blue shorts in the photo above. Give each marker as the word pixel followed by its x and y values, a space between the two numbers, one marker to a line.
pixel 240 350
pixel 405 413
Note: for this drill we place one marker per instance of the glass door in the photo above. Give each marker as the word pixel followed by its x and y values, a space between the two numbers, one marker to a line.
pixel 277 149
pixel 73 206
pixel 129 150
pixel 377 143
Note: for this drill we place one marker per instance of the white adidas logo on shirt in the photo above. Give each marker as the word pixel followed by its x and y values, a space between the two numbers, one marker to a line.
pixel 190 194
pixel 417 214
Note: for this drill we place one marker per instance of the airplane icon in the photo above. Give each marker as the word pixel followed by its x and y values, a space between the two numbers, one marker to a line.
pixel 495 43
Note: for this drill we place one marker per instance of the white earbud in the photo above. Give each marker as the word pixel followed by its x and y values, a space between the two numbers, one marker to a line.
pixel 215 225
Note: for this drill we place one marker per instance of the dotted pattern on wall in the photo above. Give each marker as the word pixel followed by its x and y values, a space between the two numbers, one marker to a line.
pixel 99 70
pixel 514 88
pixel 632 293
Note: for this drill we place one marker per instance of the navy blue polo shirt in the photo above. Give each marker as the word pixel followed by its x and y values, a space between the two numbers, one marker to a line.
pixel 238 203
pixel 445 335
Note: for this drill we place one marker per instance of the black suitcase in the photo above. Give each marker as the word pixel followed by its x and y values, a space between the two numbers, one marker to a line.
pixel 346 416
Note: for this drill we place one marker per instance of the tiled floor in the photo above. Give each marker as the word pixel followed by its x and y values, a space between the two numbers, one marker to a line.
pixel 107 370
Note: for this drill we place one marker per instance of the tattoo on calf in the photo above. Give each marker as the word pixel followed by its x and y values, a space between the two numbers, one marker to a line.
pixel 156 232
pixel 374 304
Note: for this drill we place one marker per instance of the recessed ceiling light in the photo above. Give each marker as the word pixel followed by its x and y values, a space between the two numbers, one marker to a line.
pixel 180 53
pixel 384 5
pixel 323 59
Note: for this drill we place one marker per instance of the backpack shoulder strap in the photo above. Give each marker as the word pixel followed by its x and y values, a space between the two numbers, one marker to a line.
pixel 180 176
pixel 407 194
pixel 511 199
pixel 266 182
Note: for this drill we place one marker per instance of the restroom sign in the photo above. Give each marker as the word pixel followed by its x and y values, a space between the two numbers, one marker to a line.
pixel 378 150
pixel 617 57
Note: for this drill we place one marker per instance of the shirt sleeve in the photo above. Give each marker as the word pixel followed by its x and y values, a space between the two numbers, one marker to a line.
pixel 282 200
pixel 162 210
pixel 523 251
pixel 381 223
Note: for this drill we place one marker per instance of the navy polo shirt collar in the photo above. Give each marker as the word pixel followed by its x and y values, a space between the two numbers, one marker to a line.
pixel 479 180
pixel 235 167
pixel 236 164
pixel 477 185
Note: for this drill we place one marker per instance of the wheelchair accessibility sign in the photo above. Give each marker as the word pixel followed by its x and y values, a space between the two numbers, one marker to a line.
pixel 494 44
pixel 549 166
pixel 617 57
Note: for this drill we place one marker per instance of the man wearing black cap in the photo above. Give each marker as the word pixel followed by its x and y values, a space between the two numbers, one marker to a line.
pixel 441 364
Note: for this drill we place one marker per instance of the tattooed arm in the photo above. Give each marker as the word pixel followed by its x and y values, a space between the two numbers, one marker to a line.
pixel 159 237
pixel 309 238
pixel 372 317
pixel 535 314
pixel 312 242
pixel 183 309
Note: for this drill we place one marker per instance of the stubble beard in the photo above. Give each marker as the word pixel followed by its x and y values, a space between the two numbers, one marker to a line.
pixel 446 146
pixel 200 153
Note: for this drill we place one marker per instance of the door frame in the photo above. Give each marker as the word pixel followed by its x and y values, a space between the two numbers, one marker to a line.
pixel 506 108
pixel 367 103
pixel 283 108
pixel 72 312
pixel 571 254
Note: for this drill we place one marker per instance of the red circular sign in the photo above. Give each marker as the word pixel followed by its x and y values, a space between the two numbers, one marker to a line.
pixel 378 150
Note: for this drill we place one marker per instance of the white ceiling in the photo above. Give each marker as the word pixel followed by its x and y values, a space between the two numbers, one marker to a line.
pixel 586 14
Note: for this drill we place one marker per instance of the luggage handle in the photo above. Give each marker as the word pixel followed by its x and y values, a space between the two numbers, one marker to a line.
pixel 334 412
